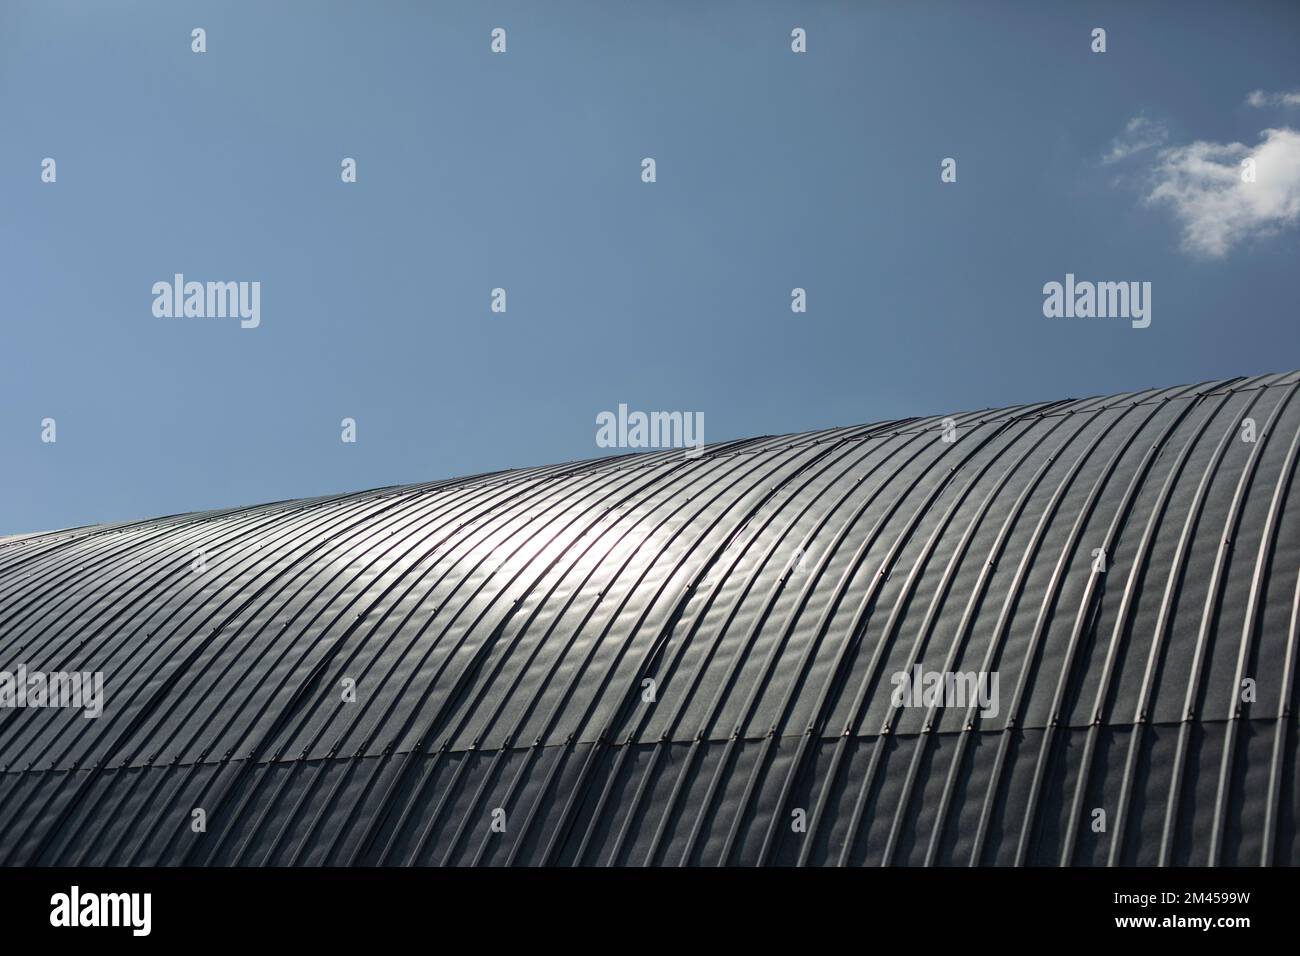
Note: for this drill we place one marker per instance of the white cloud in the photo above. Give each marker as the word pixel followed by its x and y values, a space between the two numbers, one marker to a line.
pixel 1287 100
pixel 1139 134
pixel 1202 183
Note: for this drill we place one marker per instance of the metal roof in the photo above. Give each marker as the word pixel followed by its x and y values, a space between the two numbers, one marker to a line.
pixel 1123 564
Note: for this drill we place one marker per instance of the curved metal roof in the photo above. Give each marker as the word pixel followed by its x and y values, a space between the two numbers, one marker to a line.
pixel 669 659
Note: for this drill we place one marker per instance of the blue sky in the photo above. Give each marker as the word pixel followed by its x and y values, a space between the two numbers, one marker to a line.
pixel 522 171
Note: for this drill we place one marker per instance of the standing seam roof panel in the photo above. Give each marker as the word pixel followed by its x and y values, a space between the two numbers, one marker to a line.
pixel 691 658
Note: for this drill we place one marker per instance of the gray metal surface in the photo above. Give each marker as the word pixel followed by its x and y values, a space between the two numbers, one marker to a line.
pixel 501 631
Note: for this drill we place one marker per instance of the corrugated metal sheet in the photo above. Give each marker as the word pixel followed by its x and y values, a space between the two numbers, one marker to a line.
pixel 501 631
